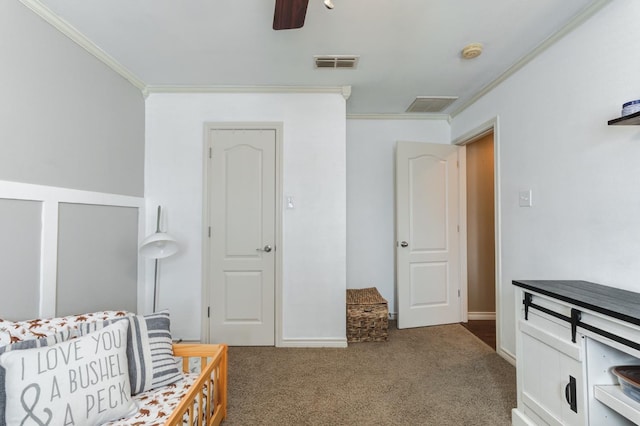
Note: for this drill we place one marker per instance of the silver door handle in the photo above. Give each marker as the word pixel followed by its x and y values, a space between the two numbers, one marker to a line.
pixel 266 248
pixel 404 244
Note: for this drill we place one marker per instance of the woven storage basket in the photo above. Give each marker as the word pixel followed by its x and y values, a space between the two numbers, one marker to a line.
pixel 367 316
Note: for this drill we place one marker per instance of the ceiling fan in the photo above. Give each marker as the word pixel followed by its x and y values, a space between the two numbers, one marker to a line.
pixel 290 14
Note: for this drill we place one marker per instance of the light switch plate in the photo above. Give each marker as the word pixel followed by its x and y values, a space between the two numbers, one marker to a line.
pixel 524 198
pixel 291 204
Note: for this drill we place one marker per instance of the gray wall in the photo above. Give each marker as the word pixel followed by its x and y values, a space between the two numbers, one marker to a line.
pixel 69 121
pixel 97 259
pixel 66 119
pixel 19 258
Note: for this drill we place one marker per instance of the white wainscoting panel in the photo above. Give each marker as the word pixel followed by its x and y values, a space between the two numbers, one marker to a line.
pixel 50 199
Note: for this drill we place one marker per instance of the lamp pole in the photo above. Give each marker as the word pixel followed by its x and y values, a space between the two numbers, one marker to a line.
pixel 155 273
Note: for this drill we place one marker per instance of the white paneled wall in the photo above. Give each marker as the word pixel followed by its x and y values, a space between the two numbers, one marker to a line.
pixel 314 233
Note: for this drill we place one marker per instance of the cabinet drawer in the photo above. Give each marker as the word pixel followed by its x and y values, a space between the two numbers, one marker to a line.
pixel 551 333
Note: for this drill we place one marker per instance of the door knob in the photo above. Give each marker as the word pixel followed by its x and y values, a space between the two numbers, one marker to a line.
pixel 404 244
pixel 266 248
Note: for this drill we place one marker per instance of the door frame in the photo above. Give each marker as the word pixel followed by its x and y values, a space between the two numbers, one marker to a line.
pixel 206 245
pixel 492 125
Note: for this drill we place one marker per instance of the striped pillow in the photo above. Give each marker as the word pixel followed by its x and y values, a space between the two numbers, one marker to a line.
pixel 149 350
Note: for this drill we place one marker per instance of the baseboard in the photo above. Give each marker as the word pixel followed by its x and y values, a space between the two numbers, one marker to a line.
pixel 508 356
pixel 481 316
pixel 470 315
pixel 313 343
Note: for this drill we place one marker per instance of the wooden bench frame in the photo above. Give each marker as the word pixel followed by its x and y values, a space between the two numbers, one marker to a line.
pixel 211 384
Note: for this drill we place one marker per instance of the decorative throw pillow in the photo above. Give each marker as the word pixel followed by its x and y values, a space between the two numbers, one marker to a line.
pixel 27 344
pixel 80 381
pixel 149 350
pixel 11 332
pixel 5 336
pixel 40 327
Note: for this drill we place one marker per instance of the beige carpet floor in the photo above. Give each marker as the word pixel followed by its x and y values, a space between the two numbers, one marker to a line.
pixel 437 376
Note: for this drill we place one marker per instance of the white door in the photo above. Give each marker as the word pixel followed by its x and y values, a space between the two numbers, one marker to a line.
pixel 427 252
pixel 242 209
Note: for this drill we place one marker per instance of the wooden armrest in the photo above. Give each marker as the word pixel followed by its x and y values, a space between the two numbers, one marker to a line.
pixel 197 350
pixel 212 383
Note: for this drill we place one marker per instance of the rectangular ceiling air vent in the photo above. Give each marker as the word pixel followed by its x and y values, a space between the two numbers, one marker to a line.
pixel 431 103
pixel 336 61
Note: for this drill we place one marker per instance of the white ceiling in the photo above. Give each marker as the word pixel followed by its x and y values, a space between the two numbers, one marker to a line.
pixel 407 48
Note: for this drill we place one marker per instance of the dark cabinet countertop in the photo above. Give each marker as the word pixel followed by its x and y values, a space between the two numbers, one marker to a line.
pixel 613 302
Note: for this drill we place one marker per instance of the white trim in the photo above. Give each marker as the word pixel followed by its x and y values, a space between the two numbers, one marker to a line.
pixel 485 128
pixel 393 316
pixel 33 192
pixel 472 136
pixel 205 302
pixel 48 260
pixel 341 90
pixel 206 247
pixel 481 316
pixel 462 233
pixel 313 343
pixel 405 116
pixel 508 356
pixel 51 197
pixel 575 22
pixel 279 249
pixel 83 41
pixel 346 92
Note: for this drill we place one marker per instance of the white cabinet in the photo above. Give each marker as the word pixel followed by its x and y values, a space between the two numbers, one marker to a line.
pixel 552 384
pixel 566 347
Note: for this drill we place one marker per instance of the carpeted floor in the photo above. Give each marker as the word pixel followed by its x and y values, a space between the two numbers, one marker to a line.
pixel 437 376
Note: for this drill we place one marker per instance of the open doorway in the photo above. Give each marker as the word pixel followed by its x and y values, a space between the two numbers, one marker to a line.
pixel 481 244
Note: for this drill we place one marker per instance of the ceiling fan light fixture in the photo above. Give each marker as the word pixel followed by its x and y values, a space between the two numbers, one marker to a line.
pixel 328 4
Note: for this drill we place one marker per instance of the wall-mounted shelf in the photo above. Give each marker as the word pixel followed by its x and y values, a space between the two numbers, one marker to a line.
pixel 627 120
pixel 613 397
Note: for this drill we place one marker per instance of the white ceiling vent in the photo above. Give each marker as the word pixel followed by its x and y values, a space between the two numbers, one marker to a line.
pixel 431 103
pixel 336 61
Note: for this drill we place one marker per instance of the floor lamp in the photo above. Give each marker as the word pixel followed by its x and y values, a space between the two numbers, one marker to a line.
pixel 158 246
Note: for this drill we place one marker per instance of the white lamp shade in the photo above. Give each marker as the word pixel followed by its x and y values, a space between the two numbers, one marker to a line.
pixel 158 246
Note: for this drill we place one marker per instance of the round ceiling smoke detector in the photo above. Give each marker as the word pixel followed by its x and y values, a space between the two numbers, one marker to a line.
pixel 472 50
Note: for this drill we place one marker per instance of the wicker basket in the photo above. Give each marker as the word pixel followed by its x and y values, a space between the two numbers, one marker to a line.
pixel 367 316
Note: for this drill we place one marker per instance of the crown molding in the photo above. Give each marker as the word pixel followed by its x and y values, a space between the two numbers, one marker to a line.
pixel 577 20
pixel 72 33
pixel 345 91
pixel 407 116
pixel 67 29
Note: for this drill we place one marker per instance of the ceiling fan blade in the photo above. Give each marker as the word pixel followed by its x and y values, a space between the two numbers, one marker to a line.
pixel 289 14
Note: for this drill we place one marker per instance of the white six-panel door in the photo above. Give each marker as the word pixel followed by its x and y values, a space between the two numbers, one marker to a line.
pixel 242 248
pixel 427 218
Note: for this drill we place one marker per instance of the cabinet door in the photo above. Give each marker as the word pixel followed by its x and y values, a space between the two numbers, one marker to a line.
pixel 552 376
